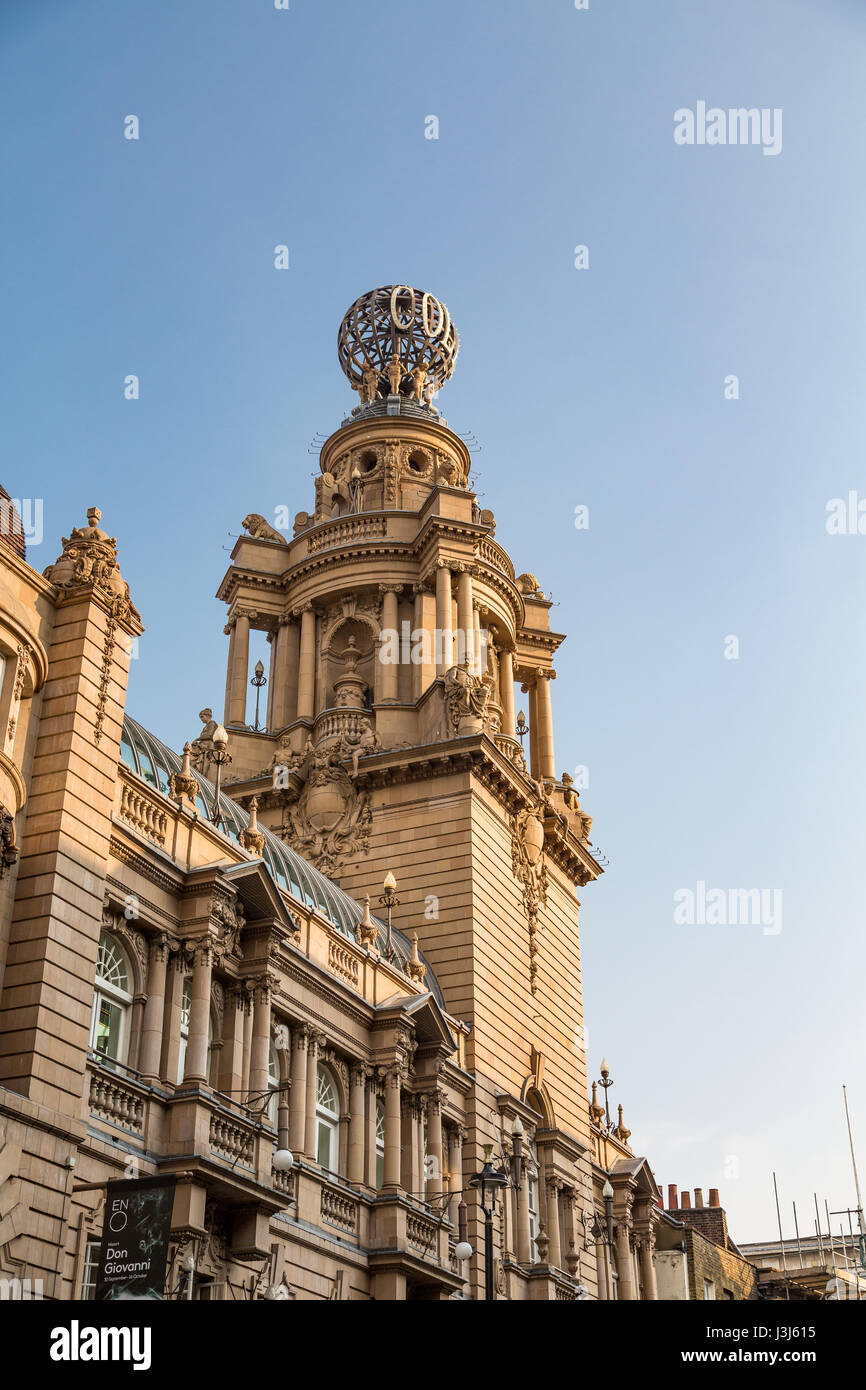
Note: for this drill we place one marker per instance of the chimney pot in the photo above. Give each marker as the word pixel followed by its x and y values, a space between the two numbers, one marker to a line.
pixel 685 1201
pixel 714 1197
pixel 699 1196
pixel 672 1196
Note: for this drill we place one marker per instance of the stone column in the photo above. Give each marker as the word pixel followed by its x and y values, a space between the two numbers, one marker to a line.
pixel 409 1173
pixel 624 1264
pixel 370 1150
pixel 230 670
pixel 390 669
pixel 314 1042
pixel 465 619
pixel 357 1087
pixel 506 692
pixel 553 1225
pixel 434 1142
pixel 285 638
pixel 152 1026
pixel 455 1173
pixel 647 1266
pixel 546 759
pixel 261 1039
pixel 392 1129
pixel 476 644
pixel 534 765
pixel 424 671
pixel 240 671
pixel 307 664
pixel 298 1099
pixel 601 1269
pixel 196 1068
pixel 444 653
pixel 246 1055
pixel 231 1076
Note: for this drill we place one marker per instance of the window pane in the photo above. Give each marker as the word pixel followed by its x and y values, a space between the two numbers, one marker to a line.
pixel 107 1024
pixel 323 1145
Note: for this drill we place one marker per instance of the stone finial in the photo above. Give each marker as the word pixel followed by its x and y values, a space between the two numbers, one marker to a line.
pixel 366 931
pixel 415 968
pixel 621 1132
pixel 596 1111
pixel 89 560
pixel 542 1245
pixel 251 838
pixel 182 785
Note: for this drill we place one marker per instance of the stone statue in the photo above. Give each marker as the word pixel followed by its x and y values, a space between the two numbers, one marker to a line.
pixel 466 699
pixel 369 389
pixel 429 392
pixel 395 375
pixel 529 585
pixel 203 746
pixel 419 378
pixel 261 529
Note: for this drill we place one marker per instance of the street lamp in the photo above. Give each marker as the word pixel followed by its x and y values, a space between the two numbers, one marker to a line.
pixel 258 681
pixel 487 1182
pixel 389 901
pixel 607 1194
pixel 606 1082
pixel 220 755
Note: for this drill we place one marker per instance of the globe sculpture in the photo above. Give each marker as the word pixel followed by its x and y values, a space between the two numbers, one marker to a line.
pixel 397 341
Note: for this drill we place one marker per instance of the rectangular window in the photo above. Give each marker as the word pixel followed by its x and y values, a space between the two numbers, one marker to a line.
pixel 709 1290
pixel 91 1263
pixel 532 1203
pixel 324 1147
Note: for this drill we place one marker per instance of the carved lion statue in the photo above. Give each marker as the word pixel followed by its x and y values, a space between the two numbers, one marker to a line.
pixel 528 584
pixel 261 529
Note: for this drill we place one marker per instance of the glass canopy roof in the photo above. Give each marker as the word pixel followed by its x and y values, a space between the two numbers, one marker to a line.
pixel 151 760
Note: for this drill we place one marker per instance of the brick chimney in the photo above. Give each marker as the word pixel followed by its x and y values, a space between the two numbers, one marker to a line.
pixel 699 1196
pixel 685 1202
pixel 710 1220
pixel 714 1197
pixel 673 1200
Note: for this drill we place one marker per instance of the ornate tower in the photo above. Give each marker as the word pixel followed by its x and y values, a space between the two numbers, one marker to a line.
pixel 398 633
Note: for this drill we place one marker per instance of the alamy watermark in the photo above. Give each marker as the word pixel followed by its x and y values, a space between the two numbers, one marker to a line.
pixel 729 907
pixel 22 516
pixel 739 125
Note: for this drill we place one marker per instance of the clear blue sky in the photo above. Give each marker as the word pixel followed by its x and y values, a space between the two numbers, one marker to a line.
pixel 601 387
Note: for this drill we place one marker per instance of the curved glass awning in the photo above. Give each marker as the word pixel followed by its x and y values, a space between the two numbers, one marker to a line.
pixel 154 762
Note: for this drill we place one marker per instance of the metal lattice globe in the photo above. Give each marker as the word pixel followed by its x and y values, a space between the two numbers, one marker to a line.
pixel 396 327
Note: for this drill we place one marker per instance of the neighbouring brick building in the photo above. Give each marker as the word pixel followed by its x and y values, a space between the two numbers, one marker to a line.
pixel 192 982
pixel 696 1257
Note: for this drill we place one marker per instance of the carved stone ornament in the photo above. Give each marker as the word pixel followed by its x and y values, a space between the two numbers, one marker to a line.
pixel 256 525
pixel 8 847
pixel 331 820
pixel 530 870
pixel 230 920
pixel 89 558
pixel 182 785
pixel 466 699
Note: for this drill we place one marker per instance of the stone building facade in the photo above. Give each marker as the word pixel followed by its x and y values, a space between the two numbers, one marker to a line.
pixel 193 979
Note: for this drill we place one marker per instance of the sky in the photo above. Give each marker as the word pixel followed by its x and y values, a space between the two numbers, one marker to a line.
pixel 712 682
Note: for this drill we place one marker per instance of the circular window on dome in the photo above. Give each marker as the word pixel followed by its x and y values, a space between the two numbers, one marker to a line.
pixel 367 461
pixel 418 463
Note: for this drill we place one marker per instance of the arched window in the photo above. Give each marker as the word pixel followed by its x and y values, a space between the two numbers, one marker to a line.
pixel 380 1143
pixel 532 1202
pixel 327 1120
pixel 185 1008
pixel 112 1001
pixel 273 1086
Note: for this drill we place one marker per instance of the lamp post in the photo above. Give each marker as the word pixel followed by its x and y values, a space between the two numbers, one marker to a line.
pixel 486 1183
pixel 221 756
pixel 522 727
pixel 606 1082
pixel 389 901
pixel 258 681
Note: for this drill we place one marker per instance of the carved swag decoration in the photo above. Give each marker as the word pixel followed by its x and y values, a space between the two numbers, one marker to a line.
pixel 530 870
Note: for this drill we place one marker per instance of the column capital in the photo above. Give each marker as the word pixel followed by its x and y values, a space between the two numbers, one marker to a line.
pixel 302 608
pixel 391 588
